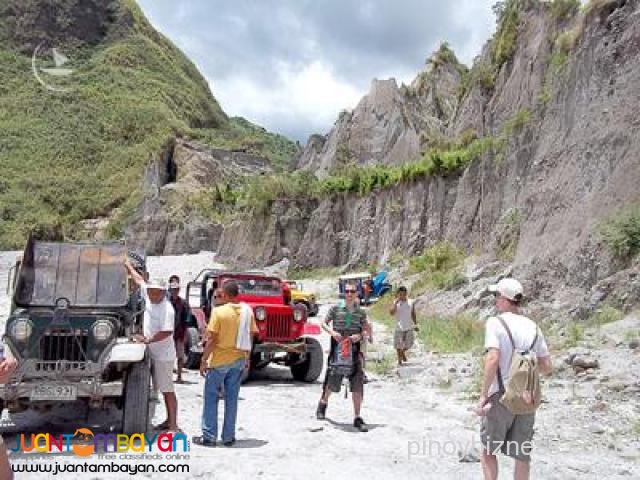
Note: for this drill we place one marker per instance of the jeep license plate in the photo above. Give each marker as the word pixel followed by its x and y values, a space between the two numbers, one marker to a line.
pixel 54 392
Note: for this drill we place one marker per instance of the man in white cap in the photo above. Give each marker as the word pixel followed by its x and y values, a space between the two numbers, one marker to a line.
pixel 501 430
pixel 157 331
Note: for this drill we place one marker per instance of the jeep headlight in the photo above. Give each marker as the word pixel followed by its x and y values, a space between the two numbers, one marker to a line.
pixel 298 314
pixel 261 314
pixel 21 329
pixel 102 330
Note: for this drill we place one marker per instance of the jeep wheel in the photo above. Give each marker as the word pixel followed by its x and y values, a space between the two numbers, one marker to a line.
pixel 191 339
pixel 311 367
pixel 136 398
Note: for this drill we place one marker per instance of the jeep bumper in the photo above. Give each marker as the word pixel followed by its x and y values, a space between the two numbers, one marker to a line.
pixel 271 347
pixel 39 390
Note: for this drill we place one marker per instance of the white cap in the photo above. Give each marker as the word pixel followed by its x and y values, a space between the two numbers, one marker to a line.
pixel 509 288
pixel 157 284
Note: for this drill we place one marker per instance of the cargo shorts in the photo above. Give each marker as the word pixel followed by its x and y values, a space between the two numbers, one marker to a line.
pixel 403 339
pixel 356 379
pixel 502 431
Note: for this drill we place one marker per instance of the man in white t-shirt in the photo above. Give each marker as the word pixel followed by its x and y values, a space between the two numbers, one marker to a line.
pixel 501 430
pixel 404 312
pixel 157 329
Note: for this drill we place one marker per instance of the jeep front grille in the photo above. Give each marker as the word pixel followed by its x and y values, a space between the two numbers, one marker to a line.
pixel 64 344
pixel 279 327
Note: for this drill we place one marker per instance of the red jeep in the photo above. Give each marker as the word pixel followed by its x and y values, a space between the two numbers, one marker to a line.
pixel 285 334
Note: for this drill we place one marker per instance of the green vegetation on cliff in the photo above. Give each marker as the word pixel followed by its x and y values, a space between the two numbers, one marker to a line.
pixel 80 153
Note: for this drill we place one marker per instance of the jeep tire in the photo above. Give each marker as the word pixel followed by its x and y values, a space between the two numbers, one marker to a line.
pixel 191 339
pixel 135 417
pixel 311 367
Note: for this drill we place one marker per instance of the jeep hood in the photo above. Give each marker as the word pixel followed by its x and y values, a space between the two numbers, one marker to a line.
pixel 87 274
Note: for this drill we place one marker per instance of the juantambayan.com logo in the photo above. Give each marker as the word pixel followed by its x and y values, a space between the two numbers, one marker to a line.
pixel 84 443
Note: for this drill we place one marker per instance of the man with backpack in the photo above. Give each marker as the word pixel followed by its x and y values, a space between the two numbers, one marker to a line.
pixel 347 324
pixel 516 355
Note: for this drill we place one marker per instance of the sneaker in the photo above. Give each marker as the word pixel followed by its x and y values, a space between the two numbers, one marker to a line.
pixel 321 411
pixel 230 443
pixel 360 425
pixel 203 442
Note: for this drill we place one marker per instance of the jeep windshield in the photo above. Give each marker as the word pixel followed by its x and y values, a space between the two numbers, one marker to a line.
pixel 259 287
pixel 83 274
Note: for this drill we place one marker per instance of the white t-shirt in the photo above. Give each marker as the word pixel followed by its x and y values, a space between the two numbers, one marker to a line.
pixel 523 331
pixel 403 318
pixel 159 317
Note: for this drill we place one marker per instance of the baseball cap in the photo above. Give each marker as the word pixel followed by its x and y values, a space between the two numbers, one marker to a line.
pixel 157 284
pixel 509 288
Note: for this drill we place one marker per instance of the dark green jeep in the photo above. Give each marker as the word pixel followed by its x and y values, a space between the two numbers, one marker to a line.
pixel 72 316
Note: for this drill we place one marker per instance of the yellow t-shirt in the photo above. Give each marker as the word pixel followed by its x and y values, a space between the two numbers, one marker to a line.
pixel 224 323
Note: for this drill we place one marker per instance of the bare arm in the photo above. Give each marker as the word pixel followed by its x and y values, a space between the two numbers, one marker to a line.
pixel 7 367
pixel 491 362
pixel 545 365
pixel 159 336
pixel 5 466
pixel 394 307
pixel 326 326
pixel 210 342
pixel 137 278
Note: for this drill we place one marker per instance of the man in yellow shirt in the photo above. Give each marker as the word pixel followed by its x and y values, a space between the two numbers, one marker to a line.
pixel 223 361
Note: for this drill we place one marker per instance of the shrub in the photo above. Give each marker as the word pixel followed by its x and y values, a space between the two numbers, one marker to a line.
pixel 574 334
pixel 504 43
pixel 381 366
pixel 517 121
pixel 622 234
pixel 564 9
pixel 439 267
pixel 568 40
pixel 604 315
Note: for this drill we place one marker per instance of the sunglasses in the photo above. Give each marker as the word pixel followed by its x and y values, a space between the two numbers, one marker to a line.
pixel 350 291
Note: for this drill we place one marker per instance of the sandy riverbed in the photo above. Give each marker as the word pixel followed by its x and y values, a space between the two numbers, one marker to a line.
pixel 417 428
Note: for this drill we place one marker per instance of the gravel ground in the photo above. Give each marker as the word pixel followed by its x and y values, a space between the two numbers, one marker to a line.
pixel 418 427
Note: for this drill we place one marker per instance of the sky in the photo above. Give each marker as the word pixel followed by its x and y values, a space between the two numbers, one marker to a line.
pixel 292 65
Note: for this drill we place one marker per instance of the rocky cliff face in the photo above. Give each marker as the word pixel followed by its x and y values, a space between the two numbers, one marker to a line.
pixel 569 163
pixel 164 222
pixel 390 122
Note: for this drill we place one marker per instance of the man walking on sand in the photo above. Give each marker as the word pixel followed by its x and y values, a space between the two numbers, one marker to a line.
pixel 501 430
pixel 157 330
pixel 346 323
pixel 225 357
pixel 404 312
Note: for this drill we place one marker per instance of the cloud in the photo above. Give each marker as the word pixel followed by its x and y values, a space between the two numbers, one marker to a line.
pixel 308 101
pixel 292 65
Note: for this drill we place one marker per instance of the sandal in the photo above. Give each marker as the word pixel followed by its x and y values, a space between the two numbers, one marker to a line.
pixel 162 426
